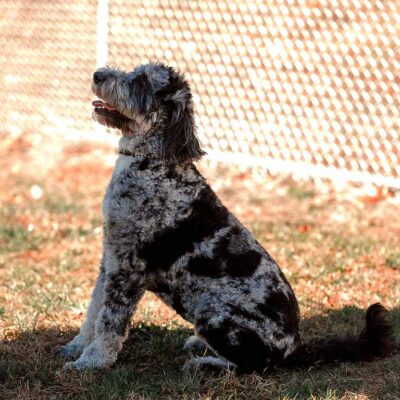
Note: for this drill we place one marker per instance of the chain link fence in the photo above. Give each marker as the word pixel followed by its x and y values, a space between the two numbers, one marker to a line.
pixel 47 56
pixel 296 86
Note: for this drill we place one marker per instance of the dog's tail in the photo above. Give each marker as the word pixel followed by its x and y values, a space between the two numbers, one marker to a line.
pixel 376 339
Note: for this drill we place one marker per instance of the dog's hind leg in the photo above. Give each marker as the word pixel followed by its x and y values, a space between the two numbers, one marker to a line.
pixel 236 338
pixel 195 344
pixel 75 347
pixel 208 363
pixel 124 285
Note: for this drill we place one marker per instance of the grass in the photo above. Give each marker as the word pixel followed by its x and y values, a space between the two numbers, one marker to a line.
pixel 16 238
pixel 339 255
pixel 393 260
pixel 300 193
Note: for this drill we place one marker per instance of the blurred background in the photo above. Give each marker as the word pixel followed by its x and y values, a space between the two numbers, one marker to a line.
pixel 298 107
pixel 309 87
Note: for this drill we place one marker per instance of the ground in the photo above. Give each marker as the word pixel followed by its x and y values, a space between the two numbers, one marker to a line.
pixel 339 247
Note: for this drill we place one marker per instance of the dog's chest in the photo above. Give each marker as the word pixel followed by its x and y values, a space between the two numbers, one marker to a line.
pixel 131 193
pixel 121 166
pixel 142 196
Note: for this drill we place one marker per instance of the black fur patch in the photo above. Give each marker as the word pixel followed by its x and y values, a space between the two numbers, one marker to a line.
pixel 160 287
pixel 224 262
pixel 237 265
pixel 207 217
pixel 204 266
pixel 128 194
pixel 144 164
pixel 250 353
pixel 269 312
pixel 119 327
pixel 283 310
pixel 236 230
pixel 121 289
pixel 241 265
pixel 244 313
pixel 177 305
pixel 171 174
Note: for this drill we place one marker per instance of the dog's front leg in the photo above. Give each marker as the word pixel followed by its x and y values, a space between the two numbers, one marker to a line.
pixel 75 347
pixel 124 285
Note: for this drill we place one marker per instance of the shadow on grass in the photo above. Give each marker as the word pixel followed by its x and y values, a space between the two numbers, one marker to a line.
pixel 149 367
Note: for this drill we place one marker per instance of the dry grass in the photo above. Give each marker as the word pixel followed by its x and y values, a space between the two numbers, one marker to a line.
pixel 340 250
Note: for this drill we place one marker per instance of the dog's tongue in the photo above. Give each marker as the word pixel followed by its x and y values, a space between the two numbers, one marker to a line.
pixel 102 104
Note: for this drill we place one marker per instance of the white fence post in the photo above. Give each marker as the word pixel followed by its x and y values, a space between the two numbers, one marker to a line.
pixel 101 48
pixel 102 33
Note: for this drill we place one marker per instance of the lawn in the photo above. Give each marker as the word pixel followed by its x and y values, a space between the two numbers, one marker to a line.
pixel 339 247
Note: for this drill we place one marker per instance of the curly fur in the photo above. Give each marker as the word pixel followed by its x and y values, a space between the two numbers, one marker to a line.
pixel 167 231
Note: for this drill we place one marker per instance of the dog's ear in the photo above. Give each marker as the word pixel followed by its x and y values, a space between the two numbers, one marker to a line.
pixel 142 92
pixel 180 143
pixel 158 76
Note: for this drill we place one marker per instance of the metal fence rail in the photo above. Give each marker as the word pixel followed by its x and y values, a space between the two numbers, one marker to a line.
pixel 309 86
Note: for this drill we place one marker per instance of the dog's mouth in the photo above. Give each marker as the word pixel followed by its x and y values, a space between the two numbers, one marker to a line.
pixel 103 108
pixel 109 115
pixel 101 105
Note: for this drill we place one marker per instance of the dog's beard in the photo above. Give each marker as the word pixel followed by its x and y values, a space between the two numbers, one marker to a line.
pixel 111 119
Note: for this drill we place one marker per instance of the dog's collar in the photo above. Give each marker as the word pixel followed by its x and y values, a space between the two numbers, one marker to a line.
pixel 141 155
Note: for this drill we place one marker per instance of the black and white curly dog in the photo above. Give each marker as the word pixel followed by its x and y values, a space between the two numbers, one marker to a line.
pixel 166 231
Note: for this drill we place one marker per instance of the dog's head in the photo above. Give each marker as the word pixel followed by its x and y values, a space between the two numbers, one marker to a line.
pixel 153 99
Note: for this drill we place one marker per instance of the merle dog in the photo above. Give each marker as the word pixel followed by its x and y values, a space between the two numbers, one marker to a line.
pixel 166 231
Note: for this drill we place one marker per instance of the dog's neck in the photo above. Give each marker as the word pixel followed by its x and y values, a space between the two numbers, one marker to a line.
pixel 141 145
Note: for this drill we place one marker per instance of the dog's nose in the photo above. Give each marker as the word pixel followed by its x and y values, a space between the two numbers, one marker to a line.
pixel 99 76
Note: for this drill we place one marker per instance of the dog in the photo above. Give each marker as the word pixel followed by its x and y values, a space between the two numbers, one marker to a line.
pixel 166 231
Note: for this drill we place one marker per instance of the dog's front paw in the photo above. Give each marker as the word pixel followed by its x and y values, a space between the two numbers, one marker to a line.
pixel 194 344
pixel 70 351
pixel 73 349
pixel 82 365
pixel 92 358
